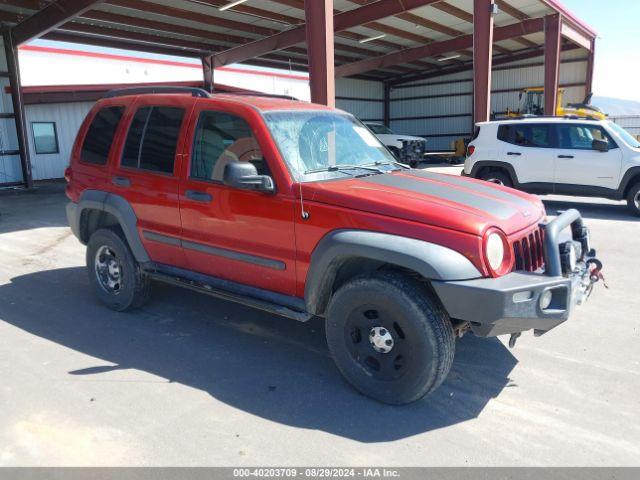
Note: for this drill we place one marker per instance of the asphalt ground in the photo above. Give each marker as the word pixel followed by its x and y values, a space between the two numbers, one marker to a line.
pixel 192 380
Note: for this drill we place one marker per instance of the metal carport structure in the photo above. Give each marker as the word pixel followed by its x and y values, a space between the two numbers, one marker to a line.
pixel 391 42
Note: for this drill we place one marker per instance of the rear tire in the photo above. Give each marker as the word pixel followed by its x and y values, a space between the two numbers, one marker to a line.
pixel 633 199
pixel 499 178
pixel 113 272
pixel 390 337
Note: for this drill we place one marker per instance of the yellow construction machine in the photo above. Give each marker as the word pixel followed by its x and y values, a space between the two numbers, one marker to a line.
pixel 532 103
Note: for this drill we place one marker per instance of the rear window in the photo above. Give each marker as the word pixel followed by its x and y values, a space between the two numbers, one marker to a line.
pixel 153 139
pixel 97 142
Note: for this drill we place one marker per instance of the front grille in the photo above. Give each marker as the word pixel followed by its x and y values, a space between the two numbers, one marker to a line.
pixel 529 251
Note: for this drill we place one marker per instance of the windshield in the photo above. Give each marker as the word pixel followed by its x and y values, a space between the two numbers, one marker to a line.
pixel 624 135
pixel 379 129
pixel 331 143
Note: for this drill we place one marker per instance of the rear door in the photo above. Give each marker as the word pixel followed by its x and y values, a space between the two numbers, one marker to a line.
pixel 239 235
pixel 577 163
pixel 529 147
pixel 146 174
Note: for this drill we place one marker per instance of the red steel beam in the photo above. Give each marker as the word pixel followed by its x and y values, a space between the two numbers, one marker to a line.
pixel 465 67
pixel 552 41
pixel 319 27
pixel 437 48
pixel 49 18
pixel 207 73
pixel 341 21
pixel 590 67
pixel 482 57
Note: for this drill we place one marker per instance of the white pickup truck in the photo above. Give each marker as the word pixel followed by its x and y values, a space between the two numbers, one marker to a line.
pixel 406 148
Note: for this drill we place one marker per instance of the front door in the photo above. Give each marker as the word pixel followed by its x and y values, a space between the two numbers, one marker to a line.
pixel 577 163
pixel 240 235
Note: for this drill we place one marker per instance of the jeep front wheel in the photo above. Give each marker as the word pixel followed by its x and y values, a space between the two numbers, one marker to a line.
pixel 633 199
pixel 114 273
pixel 389 337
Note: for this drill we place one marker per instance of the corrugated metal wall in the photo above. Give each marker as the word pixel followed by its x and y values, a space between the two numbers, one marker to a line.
pixel 439 109
pixel 362 98
pixel 68 117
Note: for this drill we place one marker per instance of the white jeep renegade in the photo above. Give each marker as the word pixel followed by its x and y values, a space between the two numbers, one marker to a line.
pixel 565 156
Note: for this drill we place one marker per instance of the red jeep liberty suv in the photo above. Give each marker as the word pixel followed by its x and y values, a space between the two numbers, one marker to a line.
pixel 299 210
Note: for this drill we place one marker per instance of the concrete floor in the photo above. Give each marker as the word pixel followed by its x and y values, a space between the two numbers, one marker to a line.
pixel 191 380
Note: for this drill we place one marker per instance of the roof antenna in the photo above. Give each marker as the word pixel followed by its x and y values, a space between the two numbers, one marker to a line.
pixel 303 212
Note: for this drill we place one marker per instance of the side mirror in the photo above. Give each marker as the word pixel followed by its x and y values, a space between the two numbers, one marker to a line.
pixel 600 145
pixel 244 175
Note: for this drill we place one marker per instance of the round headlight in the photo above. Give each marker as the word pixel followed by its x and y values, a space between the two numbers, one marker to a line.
pixel 495 251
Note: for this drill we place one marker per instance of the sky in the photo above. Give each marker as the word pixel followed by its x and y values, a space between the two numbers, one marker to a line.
pixel 617 68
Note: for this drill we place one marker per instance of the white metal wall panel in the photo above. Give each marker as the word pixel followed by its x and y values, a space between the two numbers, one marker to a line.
pixel 452 96
pixel 68 117
pixel 362 98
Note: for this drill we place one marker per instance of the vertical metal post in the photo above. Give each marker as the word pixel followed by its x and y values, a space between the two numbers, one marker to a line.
pixel 13 67
pixel 590 67
pixel 319 30
pixel 387 104
pixel 482 58
pixel 551 62
pixel 207 71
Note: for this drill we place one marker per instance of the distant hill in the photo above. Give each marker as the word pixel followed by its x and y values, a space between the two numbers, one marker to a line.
pixel 615 107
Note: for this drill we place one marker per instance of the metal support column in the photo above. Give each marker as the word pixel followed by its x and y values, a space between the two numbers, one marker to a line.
pixel 319 31
pixel 13 68
pixel 482 58
pixel 552 35
pixel 207 71
pixel 387 104
pixel 590 66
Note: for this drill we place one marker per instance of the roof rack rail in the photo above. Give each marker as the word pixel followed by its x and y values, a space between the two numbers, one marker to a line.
pixel 261 94
pixel 566 117
pixel 193 91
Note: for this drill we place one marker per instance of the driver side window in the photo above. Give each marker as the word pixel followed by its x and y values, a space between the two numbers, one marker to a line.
pixel 220 139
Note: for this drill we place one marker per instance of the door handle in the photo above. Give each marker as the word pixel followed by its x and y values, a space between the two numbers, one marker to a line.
pixel 517 154
pixel 565 156
pixel 121 181
pixel 198 196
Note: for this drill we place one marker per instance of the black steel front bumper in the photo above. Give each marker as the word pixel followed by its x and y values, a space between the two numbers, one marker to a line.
pixel 511 304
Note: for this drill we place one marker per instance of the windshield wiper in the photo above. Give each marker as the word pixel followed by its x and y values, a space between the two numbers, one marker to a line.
pixel 345 168
pixel 378 163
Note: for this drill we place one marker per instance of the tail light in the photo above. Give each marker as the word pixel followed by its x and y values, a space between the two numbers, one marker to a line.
pixel 67 174
pixel 470 150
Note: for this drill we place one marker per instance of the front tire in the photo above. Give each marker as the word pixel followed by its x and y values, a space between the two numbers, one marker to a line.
pixel 390 337
pixel 113 272
pixel 633 199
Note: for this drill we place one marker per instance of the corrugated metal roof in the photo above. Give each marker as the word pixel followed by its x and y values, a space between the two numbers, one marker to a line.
pixel 198 27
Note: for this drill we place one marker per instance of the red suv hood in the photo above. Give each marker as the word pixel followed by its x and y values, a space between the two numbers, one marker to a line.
pixel 447 201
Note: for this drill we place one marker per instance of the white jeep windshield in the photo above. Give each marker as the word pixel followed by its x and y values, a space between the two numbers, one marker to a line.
pixel 318 144
pixel 624 135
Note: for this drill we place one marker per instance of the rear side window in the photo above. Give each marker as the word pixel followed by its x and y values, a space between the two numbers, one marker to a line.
pixel 99 137
pixel 152 140
pixel 532 135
